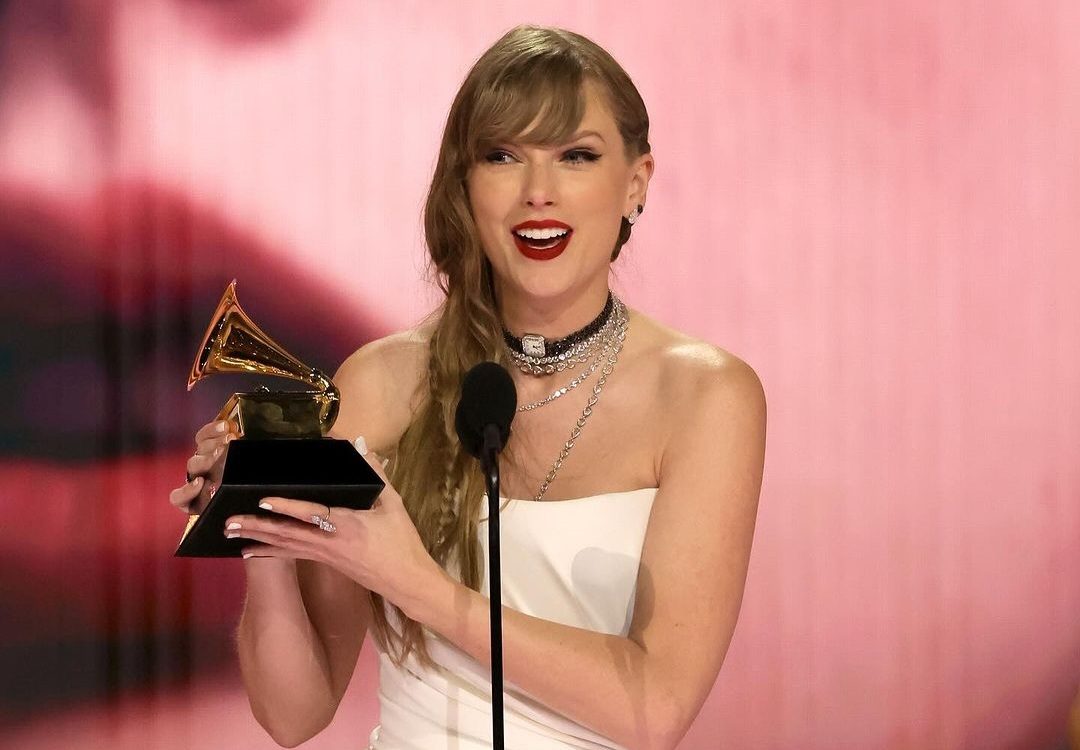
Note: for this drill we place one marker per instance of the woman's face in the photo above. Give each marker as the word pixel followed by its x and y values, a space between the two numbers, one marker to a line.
pixel 549 216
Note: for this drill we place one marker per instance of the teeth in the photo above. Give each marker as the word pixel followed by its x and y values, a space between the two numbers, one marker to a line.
pixel 541 234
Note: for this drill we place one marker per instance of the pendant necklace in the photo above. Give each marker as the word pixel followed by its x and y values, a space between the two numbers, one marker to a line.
pixel 600 339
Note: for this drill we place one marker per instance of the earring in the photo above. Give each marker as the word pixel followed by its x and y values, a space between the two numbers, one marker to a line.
pixel 635 214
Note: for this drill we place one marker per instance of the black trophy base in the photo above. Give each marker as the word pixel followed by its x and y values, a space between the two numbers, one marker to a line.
pixel 320 470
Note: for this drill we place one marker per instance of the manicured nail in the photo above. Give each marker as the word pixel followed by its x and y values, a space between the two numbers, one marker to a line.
pixel 266 506
pixel 196 481
pixel 248 554
pixel 231 535
pixel 361 445
pixel 233 526
pixel 220 427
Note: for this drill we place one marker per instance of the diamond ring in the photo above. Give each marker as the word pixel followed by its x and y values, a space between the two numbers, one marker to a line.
pixel 324 523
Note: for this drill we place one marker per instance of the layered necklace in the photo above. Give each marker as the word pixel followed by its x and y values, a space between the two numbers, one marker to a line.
pixel 596 346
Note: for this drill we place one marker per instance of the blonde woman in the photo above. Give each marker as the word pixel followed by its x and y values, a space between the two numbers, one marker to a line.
pixel 631 477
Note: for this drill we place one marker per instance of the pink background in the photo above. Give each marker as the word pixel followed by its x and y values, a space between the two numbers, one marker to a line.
pixel 875 204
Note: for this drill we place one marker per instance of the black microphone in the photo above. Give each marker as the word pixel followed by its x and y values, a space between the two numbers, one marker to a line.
pixel 487 406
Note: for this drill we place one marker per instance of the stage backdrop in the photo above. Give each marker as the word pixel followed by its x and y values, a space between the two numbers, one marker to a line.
pixel 875 204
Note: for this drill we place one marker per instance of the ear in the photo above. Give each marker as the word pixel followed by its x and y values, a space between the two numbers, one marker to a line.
pixel 641 171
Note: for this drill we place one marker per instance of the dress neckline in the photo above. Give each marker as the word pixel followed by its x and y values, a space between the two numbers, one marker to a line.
pixel 585 498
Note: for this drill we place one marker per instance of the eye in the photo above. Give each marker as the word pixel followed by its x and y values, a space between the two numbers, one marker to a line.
pixel 498 156
pixel 580 156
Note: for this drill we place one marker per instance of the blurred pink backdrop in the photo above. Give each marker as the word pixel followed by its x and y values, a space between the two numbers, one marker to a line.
pixel 875 204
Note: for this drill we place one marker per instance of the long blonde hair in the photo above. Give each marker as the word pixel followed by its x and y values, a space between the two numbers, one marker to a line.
pixel 530 80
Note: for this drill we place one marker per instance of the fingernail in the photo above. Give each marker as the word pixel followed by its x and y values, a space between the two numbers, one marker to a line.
pixel 231 535
pixel 248 554
pixel 233 526
pixel 266 506
pixel 196 481
pixel 361 445
pixel 220 427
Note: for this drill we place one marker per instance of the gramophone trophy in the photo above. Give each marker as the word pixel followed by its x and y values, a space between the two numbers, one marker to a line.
pixel 282 448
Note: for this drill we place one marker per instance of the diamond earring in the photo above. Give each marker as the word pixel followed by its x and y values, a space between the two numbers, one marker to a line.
pixel 635 214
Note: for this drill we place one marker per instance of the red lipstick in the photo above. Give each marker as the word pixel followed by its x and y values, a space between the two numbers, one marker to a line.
pixel 541 249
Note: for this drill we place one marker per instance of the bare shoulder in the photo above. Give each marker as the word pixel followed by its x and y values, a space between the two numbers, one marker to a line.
pixel 381 386
pixel 692 375
pixel 384 358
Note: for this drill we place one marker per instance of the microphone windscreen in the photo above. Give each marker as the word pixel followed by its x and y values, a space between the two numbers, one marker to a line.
pixel 488 397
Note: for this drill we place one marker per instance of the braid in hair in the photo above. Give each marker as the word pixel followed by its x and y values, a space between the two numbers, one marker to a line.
pixel 451 503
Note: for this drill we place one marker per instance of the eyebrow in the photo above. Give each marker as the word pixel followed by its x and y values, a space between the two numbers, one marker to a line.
pixel 586 133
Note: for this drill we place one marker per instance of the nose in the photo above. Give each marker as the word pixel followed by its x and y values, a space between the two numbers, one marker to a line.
pixel 540 186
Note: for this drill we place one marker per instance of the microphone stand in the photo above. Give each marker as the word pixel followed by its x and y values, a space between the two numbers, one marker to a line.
pixel 489 464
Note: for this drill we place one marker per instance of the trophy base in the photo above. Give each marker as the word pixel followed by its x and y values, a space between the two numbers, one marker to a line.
pixel 320 470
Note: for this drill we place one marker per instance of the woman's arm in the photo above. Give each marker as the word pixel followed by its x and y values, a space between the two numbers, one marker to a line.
pixel 304 623
pixel 300 633
pixel 644 691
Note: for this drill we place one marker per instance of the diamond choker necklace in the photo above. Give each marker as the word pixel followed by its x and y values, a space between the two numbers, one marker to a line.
pixel 535 345
pixel 578 348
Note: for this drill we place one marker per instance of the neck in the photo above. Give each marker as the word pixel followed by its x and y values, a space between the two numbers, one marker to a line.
pixel 551 317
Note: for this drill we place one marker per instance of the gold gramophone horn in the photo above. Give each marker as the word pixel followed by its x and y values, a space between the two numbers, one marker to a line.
pixel 233 343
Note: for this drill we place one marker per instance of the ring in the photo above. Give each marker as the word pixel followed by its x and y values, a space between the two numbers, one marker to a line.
pixel 324 523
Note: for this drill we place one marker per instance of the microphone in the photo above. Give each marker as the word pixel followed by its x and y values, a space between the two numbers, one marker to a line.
pixel 487 406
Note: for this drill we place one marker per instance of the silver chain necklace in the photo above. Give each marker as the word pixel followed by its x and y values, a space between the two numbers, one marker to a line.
pixel 560 392
pixel 575 433
pixel 568 360
pixel 579 353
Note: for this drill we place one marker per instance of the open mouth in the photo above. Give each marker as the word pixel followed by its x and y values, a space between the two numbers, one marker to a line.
pixel 542 240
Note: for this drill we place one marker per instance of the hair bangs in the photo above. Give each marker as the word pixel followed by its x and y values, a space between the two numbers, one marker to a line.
pixel 540 104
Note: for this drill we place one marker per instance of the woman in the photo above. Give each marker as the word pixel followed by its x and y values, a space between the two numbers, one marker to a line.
pixel 634 464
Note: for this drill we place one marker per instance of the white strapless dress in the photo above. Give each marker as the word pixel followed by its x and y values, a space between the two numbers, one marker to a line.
pixel 573 562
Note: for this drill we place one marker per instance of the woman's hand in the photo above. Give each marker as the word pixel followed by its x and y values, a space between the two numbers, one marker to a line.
pixel 378 548
pixel 210 441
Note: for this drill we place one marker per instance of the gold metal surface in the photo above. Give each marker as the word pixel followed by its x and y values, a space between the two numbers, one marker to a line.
pixel 190 523
pixel 234 344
